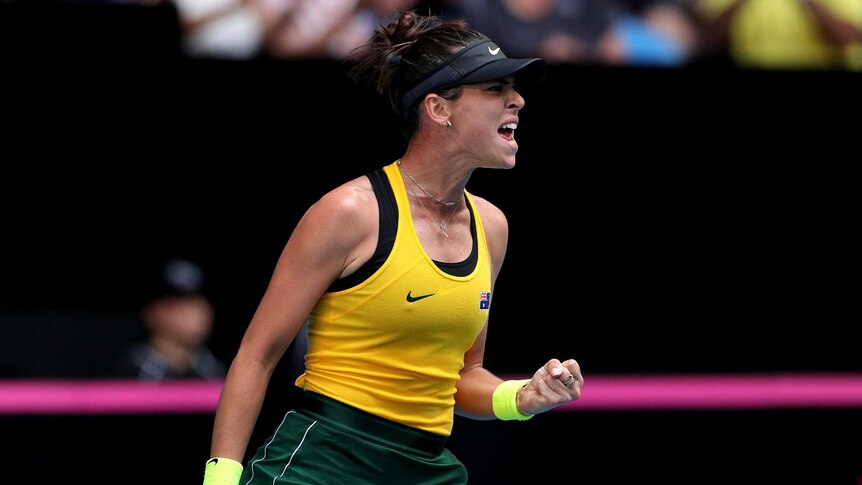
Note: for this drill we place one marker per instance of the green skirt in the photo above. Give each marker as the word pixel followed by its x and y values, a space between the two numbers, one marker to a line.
pixel 325 442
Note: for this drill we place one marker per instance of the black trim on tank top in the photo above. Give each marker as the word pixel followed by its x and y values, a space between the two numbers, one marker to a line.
pixel 463 268
pixel 388 209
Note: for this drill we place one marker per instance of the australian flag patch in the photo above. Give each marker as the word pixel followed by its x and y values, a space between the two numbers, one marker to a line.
pixel 484 300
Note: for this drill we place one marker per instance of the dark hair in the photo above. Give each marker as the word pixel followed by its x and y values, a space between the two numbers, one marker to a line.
pixel 406 51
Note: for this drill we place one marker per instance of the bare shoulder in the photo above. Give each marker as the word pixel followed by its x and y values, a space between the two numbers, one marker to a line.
pixel 496 230
pixel 342 224
pixel 493 218
pixel 349 200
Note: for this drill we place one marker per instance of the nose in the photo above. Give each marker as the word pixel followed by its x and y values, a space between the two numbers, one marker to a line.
pixel 517 102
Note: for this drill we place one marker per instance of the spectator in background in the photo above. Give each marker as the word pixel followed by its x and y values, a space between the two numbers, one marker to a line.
pixel 281 29
pixel 211 29
pixel 605 32
pixel 219 28
pixel 179 319
pixel 328 28
pixel 559 31
pixel 785 34
pixel 228 29
pixel 651 33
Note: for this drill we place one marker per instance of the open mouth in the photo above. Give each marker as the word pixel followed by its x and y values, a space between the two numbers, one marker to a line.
pixel 507 131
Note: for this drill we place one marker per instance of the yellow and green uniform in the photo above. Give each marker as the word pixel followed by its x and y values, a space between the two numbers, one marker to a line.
pixel 385 348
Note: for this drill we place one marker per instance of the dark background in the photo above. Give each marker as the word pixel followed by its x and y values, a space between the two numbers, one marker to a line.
pixel 696 220
pixel 659 223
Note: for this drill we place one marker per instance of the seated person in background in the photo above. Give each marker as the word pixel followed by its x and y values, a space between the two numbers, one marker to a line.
pixel 179 319
pixel 784 34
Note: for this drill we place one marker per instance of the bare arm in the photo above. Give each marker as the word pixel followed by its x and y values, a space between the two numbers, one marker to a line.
pixel 330 241
pixel 308 27
pixel 477 385
pixel 835 29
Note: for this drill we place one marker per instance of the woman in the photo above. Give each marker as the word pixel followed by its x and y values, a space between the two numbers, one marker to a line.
pixel 395 271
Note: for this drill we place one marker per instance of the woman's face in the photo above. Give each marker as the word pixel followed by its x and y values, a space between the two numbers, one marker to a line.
pixel 486 116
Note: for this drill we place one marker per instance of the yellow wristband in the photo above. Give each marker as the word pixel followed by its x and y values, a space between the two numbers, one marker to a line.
pixel 222 471
pixel 505 401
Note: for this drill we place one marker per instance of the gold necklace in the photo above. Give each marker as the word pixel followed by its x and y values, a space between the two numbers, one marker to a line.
pixel 447 203
pixel 440 226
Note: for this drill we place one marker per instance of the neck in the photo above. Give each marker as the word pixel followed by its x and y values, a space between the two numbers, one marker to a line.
pixel 429 193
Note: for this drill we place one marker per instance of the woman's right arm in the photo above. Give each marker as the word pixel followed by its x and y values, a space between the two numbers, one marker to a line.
pixel 336 235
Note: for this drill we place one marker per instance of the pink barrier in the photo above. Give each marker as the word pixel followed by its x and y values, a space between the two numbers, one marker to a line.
pixel 601 393
pixel 107 397
pixel 718 392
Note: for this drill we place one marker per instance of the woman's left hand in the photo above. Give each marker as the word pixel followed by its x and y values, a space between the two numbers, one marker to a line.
pixel 554 384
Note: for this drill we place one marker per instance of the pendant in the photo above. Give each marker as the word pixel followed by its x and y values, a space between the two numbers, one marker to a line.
pixel 442 228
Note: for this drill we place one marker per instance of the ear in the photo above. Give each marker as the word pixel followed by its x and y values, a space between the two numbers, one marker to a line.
pixel 437 109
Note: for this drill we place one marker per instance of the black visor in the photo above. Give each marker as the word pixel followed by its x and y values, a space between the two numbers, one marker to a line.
pixel 478 62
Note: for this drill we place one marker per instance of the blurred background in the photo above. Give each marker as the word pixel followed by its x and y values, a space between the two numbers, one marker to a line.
pixel 683 206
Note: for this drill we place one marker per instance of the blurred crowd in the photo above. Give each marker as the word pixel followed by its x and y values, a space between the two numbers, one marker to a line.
pixel 659 32
pixel 759 34
pixel 793 34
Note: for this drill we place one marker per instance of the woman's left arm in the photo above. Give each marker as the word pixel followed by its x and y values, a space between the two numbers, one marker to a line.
pixel 553 384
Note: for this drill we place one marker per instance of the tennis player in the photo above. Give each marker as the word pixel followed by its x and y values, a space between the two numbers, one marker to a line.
pixel 395 271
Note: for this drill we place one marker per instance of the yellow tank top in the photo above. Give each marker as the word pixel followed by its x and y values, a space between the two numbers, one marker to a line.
pixel 394 344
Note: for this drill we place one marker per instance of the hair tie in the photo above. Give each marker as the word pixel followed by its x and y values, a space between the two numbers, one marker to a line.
pixel 394 60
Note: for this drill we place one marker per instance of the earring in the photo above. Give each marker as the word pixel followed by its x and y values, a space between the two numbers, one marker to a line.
pixel 448 124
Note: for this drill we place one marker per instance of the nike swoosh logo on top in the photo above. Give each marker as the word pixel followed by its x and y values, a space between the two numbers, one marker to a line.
pixel 493 51
pixel 411 298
